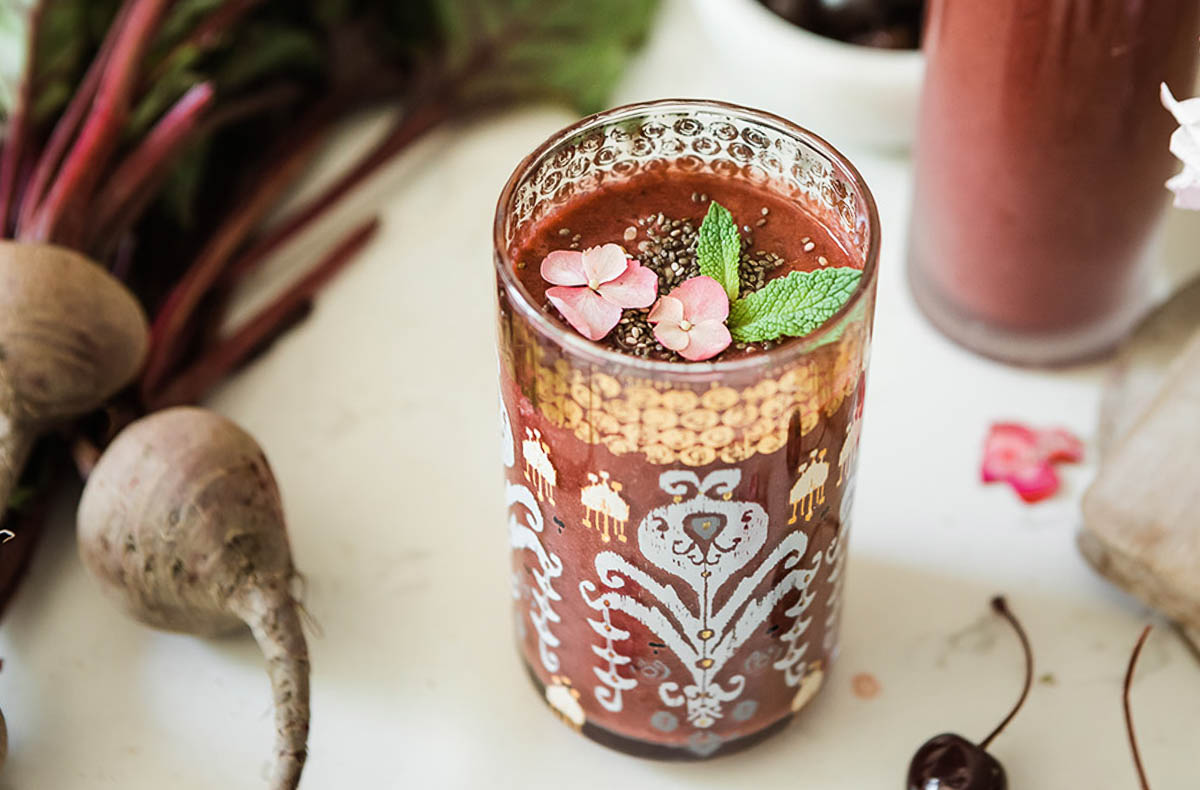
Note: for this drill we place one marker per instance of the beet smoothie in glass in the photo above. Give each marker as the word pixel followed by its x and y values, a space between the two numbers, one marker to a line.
pixel 1041 156
pixel 678 528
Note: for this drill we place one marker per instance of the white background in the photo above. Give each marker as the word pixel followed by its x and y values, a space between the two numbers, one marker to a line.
pixel 378 416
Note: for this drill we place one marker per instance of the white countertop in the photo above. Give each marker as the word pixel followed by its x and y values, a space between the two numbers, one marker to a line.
pixel 383 439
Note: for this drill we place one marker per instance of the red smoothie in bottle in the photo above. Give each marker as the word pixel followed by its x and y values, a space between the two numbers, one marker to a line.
pixel 1041 157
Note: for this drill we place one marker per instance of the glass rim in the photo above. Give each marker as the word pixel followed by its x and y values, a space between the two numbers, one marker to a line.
pixel 595 353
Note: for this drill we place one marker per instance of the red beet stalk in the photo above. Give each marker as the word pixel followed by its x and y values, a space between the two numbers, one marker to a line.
pixel 59 219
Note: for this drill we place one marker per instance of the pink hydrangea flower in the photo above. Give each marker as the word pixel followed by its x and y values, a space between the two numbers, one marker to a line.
pixel 691 319
pixel 1024 458
pixel 1185 144
pixel 593 287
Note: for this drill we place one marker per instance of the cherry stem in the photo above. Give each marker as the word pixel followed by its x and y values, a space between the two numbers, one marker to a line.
pixel 1133 744
pixel 1001 608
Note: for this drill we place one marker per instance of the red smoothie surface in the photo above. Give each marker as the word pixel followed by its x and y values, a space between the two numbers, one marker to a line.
pixel 1042 152
pixel 603 216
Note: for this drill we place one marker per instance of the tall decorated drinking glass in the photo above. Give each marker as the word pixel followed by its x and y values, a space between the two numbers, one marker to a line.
pixel 678 529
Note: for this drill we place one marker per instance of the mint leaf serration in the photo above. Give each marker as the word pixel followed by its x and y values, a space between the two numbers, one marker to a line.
pixel 719 247
pixel 794 305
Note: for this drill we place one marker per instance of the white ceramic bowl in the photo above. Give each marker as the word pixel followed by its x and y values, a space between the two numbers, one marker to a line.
pixel 851 95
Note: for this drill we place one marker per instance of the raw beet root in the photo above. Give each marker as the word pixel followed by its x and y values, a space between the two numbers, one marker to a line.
pixel 181 522
pixel 71 335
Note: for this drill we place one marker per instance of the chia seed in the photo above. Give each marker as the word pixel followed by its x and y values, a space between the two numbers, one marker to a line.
pixel 670 252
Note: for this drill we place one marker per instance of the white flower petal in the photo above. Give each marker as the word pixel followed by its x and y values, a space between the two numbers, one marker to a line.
pixel 1186 187
pixel 1187 112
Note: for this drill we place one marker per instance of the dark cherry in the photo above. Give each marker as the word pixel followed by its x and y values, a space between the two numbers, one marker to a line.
pixel 951 762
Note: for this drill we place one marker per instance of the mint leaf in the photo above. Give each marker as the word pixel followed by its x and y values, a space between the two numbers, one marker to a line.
pixel 793 305
pixel 718 248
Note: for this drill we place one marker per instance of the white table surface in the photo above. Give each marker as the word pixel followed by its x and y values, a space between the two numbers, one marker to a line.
pixel 383 439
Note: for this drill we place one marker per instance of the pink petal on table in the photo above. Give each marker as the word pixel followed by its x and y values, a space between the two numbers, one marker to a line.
pixel 604 264
pixel 671 336
pixel 1059 444
pixel 668 310
pixel 1009 448
pixel 1035 483
pixel 637 287
pixel 586 310
pixel 704 299
pixel 706 340
pixel 564 267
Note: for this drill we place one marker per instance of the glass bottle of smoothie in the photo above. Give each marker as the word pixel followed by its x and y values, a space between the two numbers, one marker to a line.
pixel 678 528
pixel 1041 157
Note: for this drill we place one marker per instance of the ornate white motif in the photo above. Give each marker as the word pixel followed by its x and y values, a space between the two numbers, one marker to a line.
pixel 542 595
pixel 702 539
pixel 539 470
pixel 792 662
pixel 604 507
pixel 613 684
pixel 809 486
pixel 837 561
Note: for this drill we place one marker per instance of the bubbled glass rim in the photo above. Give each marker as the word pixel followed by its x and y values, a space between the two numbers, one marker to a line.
pixel 587 350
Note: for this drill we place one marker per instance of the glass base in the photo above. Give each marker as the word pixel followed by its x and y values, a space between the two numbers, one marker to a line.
pixel 1018 347
pixel 659 751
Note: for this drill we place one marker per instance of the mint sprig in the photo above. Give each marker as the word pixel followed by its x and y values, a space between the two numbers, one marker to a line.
pixel 794 305
pixel 719 248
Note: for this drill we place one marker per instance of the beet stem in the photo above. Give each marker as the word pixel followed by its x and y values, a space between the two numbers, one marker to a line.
pixel 207 34
pixel 406 131
pixel 67 124
pixel 18 122
pixel 122 222
pixel 1133 744
pixel 101 131
pixel 1001 607
pixel 215 364
pixel 152 157
pixel 169 331
pixel 273 619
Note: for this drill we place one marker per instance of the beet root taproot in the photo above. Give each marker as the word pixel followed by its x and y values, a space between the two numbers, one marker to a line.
pixel 181 522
